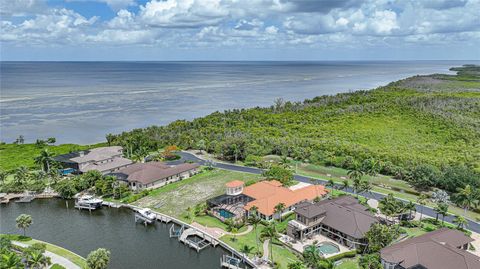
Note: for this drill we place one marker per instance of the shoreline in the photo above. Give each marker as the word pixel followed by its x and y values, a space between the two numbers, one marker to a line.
pixel 316 91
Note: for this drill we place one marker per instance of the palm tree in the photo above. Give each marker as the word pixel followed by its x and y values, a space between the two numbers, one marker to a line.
pixel 23 222
pixel 246 249
pixel 422 200
pixel 365 186
pixel 269 233
pixel 20 176
pixel 36 259
pixel 410 207
pixel 98 259
pixel 441 209
pixel 356 175
pixel 466 197
pixel 355 172
pixel 110 138
pixel 460 221
pixel 279 208
pixel 372 167
pixel 44 160
pixel 311 256
pixel 234 231
pixel 254 220
pixel 330 184
pixel 389 206
pixel 357 185
pixel 11 260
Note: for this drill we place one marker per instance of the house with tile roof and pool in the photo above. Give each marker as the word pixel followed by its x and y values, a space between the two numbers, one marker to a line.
pixel 240 200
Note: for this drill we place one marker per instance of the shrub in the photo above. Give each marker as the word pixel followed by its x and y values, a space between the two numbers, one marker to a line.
pixel 349 254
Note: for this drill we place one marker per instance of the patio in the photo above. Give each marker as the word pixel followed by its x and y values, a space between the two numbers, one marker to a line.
pixel 299 246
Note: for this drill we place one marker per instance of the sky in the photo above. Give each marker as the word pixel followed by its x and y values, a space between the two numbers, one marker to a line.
pixel 164 30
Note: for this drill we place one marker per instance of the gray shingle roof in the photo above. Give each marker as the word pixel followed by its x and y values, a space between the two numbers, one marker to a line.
pixel 150 172
pixel 437 249
pixel 344 214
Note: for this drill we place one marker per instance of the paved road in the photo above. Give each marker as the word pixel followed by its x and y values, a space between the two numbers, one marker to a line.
pixel 472 225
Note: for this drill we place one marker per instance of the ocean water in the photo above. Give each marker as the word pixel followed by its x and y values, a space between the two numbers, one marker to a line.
pixel 80 102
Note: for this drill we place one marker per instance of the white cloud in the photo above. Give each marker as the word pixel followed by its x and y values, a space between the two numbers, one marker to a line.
pixel 22 7
pixel 252 23
pixel 182 13
pixel 59 25
pixel 122 37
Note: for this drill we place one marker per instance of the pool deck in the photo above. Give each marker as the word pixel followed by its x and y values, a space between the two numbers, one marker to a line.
pixel 300 246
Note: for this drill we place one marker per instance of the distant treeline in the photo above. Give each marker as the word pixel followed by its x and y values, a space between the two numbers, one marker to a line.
pixel 424 129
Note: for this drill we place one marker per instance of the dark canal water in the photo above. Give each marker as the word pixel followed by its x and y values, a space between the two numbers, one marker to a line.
pixel 132 245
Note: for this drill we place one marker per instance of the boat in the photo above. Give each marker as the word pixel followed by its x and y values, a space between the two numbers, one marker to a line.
pixel 88 202
pixel 147 214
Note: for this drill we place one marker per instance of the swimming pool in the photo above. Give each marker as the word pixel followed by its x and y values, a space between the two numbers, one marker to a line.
pixel 225 213
pixel 327 248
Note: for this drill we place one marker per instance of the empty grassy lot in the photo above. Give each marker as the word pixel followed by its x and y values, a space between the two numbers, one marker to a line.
pixel 175 198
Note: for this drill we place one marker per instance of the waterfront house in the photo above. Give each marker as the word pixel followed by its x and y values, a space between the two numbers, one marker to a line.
pixel 342 219
pixel 441 249
pixel 151 175
pixel 238 200
pixel 103 159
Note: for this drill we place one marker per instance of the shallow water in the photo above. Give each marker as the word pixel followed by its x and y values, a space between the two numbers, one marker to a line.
pixel 80 102
pixel 132 245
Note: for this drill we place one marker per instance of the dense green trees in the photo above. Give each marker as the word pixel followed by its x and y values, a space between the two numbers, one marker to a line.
pixel 12 257
pixel 426 134
pixel 379 236
pixel 284 175
pixel 370 261
pixel 424 176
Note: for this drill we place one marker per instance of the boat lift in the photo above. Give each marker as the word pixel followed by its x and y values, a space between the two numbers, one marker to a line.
pixel 176 232
pixel 230 262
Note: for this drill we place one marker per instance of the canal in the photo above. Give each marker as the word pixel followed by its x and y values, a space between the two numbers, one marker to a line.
pixel 132 245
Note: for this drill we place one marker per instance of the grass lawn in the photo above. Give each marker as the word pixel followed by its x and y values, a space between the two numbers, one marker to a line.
pixel 78 260
pixel 13 156
pixel 75 258
pixel 175 198
pixel 351 263
pixel 210 221
pixel 282 255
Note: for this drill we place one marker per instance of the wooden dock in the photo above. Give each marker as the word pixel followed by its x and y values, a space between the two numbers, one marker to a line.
pixel 205 239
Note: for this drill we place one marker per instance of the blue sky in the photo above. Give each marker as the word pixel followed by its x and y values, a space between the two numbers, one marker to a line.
pixel 239 29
